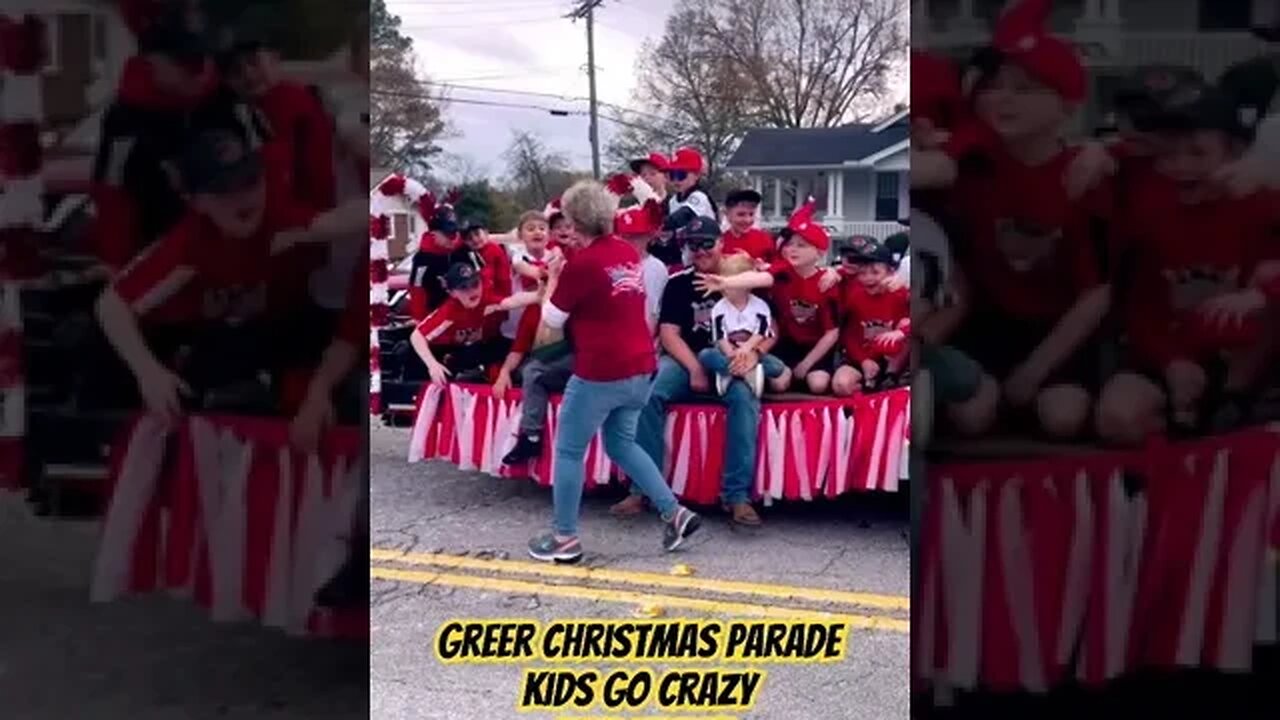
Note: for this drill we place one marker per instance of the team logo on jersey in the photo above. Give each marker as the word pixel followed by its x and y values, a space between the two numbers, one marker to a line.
pixel 235 304
pixel 737 337
pixel 1191 287
pixel 466 336
pixel 803 312
pixel 1025 248
pixel 875 328
pixel 626 278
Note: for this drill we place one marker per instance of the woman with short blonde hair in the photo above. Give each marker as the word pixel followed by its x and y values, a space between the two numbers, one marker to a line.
pixel 600 297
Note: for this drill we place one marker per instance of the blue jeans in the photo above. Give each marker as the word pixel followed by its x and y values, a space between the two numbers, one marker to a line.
pixel 715 362
pixel 672 386
pixel 614 407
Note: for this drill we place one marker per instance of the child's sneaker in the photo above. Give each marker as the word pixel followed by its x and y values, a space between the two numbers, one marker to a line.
pixel 528 447
pixel 682 524
pixel 548 549
pixel 755 380
pixel 722 384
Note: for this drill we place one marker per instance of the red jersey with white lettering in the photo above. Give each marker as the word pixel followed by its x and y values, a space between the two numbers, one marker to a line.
pixel 803 311
pixel 867 316
pixel 1029 250
pixel 602 291
pixel 757 243
pixel 453 325
pixel 527 330
pixel 195 273
pixel 1184 255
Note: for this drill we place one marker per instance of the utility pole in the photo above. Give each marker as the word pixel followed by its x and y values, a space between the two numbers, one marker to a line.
pixel 586 11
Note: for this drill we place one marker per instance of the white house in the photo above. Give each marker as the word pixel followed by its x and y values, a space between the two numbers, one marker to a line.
pixel 1114 36
pixel 856 172
pixel 88 43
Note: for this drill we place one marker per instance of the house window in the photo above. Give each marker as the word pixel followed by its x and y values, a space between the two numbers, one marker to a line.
pixel 790 195
pixel 767 206
pixel 888 187
pixel 1225 14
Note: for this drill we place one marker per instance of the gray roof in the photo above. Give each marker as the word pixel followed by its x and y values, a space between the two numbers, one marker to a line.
pixel 771 147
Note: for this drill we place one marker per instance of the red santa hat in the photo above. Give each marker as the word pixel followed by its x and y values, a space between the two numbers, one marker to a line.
pixel 1021 35
pixel 802 225
pixel 552 210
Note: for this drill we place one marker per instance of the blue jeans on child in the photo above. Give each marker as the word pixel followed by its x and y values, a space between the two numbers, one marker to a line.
pixel 671 385
pixel 614 407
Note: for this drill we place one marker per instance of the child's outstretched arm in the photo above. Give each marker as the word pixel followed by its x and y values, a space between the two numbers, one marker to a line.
pixel 754 280
pixel 439 373
pixel 160 387
pixel 518 300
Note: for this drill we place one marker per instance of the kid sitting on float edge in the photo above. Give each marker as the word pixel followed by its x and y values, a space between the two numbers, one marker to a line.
pixel 1197 262
pixel 1032 251
pixel 742 325
pixel 462 337
pixel 875 323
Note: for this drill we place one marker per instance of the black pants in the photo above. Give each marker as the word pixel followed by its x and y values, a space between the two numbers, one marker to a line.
pixel 470 359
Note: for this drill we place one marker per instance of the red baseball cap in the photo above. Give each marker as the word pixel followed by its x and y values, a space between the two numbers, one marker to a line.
pixel 658 160
pixel 638 220
pixel 688 160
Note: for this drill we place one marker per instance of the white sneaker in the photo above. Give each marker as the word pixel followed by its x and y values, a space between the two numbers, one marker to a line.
pixel 722 384
pixel 756 380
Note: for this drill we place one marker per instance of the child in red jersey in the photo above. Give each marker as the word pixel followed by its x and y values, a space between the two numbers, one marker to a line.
pixel 490 258
pixel 462 336
pixel 1196 252
pixel 217 270
pixel 302 133
pixel 1032 252
pixel 741 207
pixel 875 323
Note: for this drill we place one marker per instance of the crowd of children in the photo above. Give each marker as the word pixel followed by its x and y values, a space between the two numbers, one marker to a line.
pixel 1100 289
pixel 810 327
pixel 232 212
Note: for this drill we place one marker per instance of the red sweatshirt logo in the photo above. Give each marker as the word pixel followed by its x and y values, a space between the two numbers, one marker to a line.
pixel 1191 287
pixel 1024 247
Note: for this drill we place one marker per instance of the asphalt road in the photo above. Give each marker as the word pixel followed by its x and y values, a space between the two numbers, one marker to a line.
pixel 150 658
pixel 798 560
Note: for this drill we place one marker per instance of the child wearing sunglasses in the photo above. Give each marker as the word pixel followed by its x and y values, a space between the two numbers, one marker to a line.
pixel 688 201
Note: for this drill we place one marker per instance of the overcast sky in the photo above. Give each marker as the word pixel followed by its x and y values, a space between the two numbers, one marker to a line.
pixel 526 46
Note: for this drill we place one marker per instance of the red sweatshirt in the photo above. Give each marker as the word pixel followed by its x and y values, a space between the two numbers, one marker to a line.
pixel 866 316
pixel 1184 255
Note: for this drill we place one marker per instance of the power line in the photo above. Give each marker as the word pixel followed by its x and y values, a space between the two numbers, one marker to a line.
pixel 468 101
pixel 567 98
pixel 526 21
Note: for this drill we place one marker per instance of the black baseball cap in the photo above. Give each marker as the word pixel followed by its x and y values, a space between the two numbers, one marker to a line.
pixel 218 162
pixel 742 196
pixel 469 227
pixel 172 35
pixel 443 220
pixel 866 249
pixel 1251 87
pixel 1207 108
pixel 1152 89
pixel 461 276
pixel 700 233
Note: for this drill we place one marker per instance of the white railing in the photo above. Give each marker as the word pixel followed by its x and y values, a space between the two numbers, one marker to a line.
pixel 845 228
